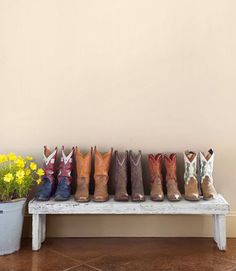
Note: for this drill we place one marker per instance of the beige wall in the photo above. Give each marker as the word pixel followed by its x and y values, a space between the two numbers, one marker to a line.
pixel 150 75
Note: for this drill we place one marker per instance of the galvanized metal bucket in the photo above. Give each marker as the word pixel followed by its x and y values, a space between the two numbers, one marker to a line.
pixel 11 222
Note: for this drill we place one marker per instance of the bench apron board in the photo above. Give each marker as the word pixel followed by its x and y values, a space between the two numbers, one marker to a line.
pixel 218 208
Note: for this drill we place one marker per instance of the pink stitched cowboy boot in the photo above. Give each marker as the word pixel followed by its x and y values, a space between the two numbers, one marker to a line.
pixel 64 176
pixel 48 187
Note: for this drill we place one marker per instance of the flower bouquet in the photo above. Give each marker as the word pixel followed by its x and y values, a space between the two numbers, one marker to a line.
pixel 17 176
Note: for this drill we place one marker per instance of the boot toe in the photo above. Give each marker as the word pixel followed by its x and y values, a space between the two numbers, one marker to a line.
pixel 82 199
pixel 60 198
pixel 174 197
pixel 192 197
pixel 209 196
pixel 100 198
pixel 122 197
pixel 42 198
pixel 157 197
pixel 138 197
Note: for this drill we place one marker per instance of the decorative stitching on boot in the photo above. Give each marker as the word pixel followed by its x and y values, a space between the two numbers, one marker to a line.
pixel 190 168
pixel 206 167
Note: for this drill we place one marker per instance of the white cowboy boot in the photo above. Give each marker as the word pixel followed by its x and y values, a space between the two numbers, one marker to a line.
pixel 206 170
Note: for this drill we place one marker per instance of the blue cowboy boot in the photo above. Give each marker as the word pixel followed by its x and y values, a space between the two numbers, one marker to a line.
pixel 64 176
pixel 48 187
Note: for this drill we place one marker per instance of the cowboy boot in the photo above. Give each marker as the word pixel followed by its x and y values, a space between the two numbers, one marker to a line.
pixel 136 176
pixel 121 176
pixel 48 187
pixel 206 171
pixel 83 168
pixel 64 178
pixel 190 176
pixel 101 177
pixel 173 193
pixel 154 163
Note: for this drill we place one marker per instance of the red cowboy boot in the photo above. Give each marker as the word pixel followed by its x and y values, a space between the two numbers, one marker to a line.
pixel 64 176
pixel 154 163
pixel 173 193
pixel 48 187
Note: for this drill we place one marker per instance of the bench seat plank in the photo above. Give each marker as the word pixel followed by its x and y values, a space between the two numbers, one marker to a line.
pixel 214 206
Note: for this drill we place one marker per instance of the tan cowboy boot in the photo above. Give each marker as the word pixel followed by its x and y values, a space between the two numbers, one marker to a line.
pixel 102 164
pixel 154 163
pixel 83 168
pixel 190 176
pixel 206 171
pixel 173 193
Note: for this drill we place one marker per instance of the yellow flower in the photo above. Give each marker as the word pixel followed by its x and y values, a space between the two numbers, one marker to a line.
pixel 40 172
pixel 12 156
pixel 38 181
pixel 27 172
pixel 8 178
pixel 33 166
pixel 19 181
pixel 3 158
pixel 20 174
pixel 20 162
pixel 29 158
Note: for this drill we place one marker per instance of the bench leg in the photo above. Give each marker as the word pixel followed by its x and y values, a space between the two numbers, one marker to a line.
pixel 36 231
pixel 219 222
pixel 215 228
pixel 43 228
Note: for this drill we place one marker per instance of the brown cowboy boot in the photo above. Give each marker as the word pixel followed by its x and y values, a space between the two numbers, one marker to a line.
pixel 121 176
pixel 173 193
pixel 102 164
pixel 136 176
pixel 206 171
pixel 83 168
pixel 190 176
pixel 154 163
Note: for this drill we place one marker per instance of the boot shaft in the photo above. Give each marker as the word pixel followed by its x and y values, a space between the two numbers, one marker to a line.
pixel 102 163
pixel 190 164
pixel 136 166
pixel 170 165
pixel 49 164
pixel 121 167
pixel 206 165
pixel 66 166
pixel 155 165
pixel 83 163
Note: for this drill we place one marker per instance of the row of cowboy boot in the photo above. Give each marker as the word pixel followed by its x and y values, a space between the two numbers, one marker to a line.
pixel 155 168
pixel 121 176
pixel 60 186
pixel 191 176
pixel 101 177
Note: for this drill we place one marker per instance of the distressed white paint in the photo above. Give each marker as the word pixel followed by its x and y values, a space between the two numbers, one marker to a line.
pixel 218 208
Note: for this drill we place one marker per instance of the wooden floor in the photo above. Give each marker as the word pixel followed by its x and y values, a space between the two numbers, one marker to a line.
pixel 108 254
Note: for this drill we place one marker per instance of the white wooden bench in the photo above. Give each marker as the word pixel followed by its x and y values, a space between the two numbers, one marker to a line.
pixel 218 208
